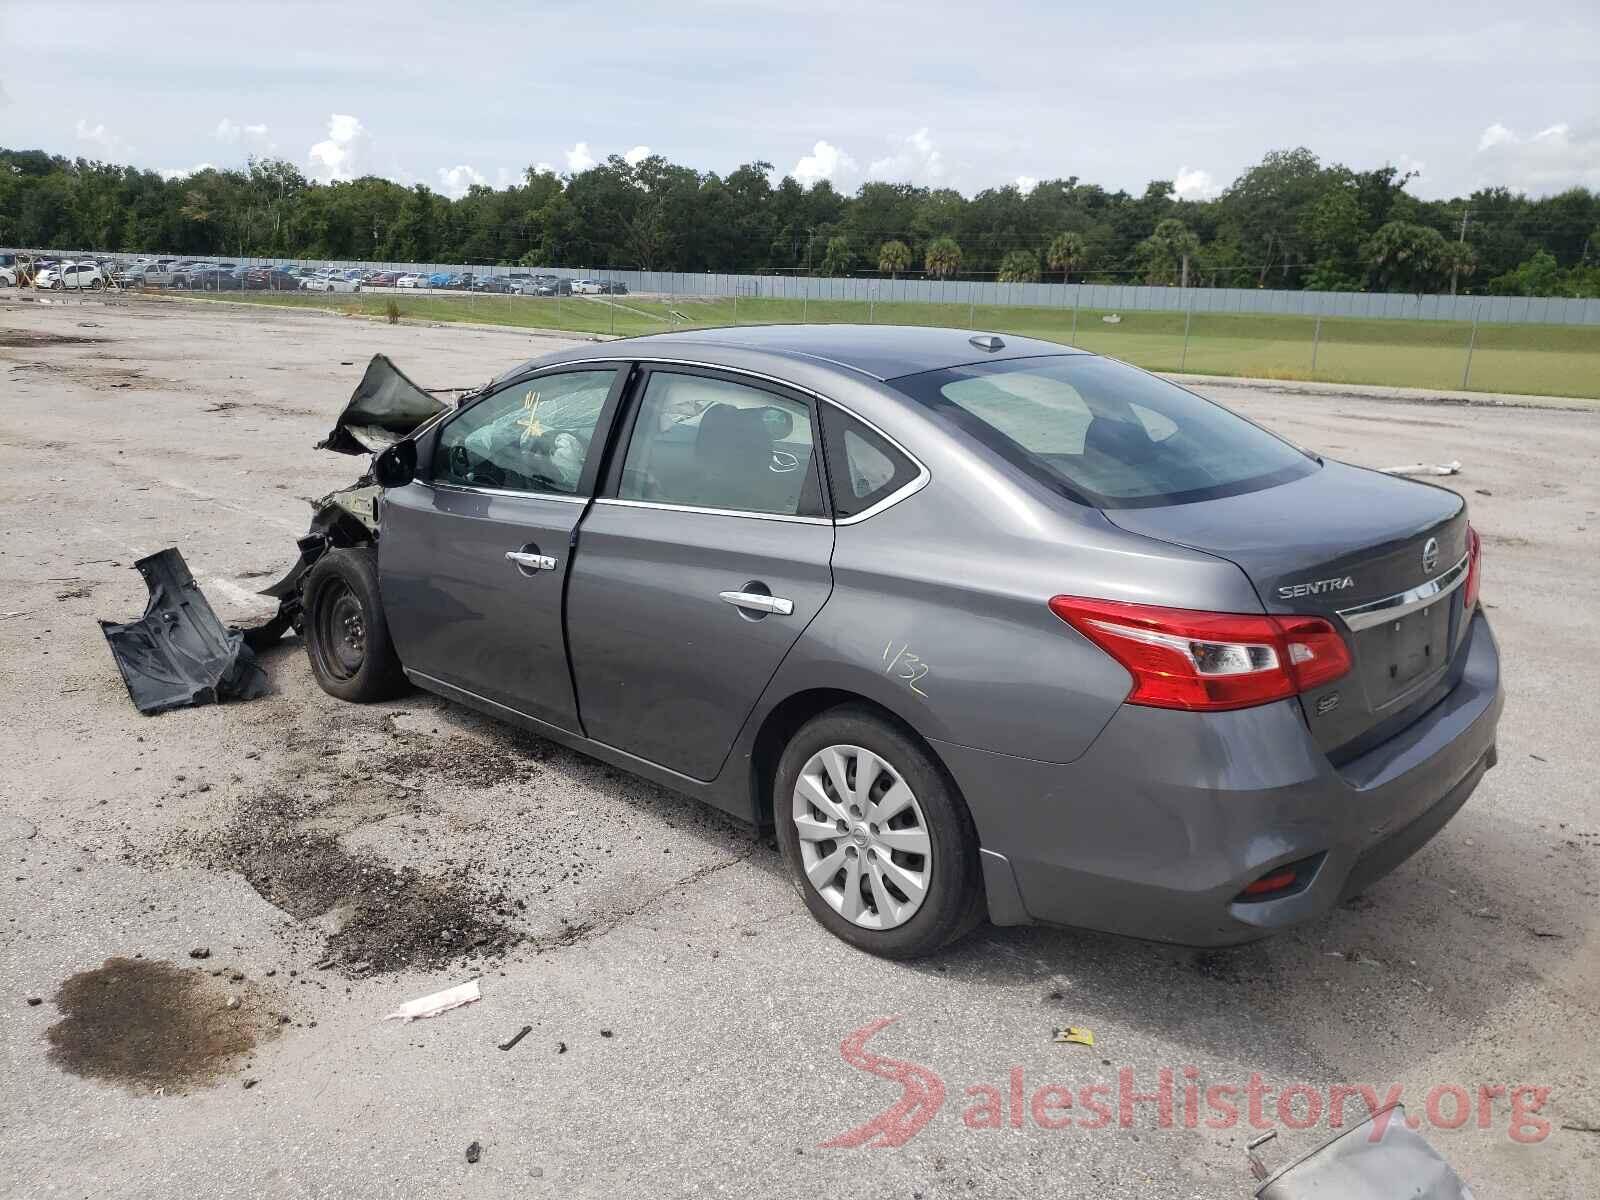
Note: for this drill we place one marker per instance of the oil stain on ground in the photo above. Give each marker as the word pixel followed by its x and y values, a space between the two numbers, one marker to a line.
pixel 152 1025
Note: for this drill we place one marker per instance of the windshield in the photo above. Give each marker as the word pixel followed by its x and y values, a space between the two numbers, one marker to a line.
pixel 1107 434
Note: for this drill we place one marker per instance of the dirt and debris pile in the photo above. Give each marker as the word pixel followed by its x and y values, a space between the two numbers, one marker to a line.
pixel 375 917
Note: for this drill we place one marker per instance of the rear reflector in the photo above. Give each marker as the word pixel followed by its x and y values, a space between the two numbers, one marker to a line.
pixel 1267 884
pixel 1206 661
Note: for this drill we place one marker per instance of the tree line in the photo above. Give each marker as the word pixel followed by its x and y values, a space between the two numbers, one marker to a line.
pixel 1290 221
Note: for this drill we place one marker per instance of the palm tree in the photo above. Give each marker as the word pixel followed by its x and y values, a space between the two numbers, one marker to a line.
pixel 894 257
pixel 1020 266
pixel 836 259
pixel 944 258
pixel 1171 246
pixel 1066 252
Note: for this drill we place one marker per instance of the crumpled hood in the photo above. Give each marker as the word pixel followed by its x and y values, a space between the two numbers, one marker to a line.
pixel 385 407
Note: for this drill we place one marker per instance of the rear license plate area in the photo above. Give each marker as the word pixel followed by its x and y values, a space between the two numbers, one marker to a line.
pixel 1398 654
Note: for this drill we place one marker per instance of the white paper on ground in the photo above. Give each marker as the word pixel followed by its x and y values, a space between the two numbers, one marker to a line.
pixel 432 1006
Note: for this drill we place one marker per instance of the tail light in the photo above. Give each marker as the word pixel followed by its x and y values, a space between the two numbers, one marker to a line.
pixel 1469 590
pixel 1183 658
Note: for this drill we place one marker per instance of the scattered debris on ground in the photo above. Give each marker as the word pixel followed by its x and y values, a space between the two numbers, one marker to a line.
pixel 1449 468
pixel 437 1002
pixel 516 1037
pixel 1080 1035
pixel 474 1152
pixel 375 918
pixel 155 1026
pixel 179 654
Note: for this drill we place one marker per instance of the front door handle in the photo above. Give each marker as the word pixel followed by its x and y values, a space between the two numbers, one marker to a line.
pixel 531 562
pixel 759 602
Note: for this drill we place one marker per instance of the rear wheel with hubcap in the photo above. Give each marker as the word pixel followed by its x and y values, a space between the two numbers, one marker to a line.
pixel 877 840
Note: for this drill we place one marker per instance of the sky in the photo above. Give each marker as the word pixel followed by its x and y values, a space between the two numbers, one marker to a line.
pixel 950 95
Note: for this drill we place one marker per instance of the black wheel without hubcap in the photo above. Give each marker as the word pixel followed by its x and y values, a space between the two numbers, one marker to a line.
pixel 347 638
pixel 877 840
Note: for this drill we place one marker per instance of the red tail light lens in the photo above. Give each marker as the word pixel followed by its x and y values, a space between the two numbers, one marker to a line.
pixel 1469 590
pixel 1183 658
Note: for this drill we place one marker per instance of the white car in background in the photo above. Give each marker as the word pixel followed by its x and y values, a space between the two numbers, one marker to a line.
pixel 328 280
pixel 587 287
pixel 411 281
pixel 84 276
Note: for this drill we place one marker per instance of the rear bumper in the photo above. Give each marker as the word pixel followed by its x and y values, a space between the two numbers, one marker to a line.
pixel 1159 826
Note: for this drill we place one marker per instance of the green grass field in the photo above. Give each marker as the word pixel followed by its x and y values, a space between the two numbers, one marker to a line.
pixel 1552 360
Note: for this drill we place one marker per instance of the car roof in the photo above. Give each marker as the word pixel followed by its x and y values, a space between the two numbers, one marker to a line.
pixel 881 352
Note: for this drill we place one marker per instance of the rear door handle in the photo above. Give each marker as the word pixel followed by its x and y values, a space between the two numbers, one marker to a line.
pixel 531 562
pixel 759 602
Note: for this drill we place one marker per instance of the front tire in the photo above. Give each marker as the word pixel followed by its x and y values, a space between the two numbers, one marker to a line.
pixel 347 637
pixel 875 835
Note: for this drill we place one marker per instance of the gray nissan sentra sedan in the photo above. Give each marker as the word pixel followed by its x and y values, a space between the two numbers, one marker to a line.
pixel 983 626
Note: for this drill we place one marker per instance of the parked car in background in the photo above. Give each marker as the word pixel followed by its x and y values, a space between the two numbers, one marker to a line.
pixel 216 277
pixel 1050 639
pixel 439 279
pixel 71 276
pixel 334 281
pixel 613 287
pixel 411 281
pixel 382 279
pixel 147 274
pixel 587 287
pixel 498 284
pixel 552 285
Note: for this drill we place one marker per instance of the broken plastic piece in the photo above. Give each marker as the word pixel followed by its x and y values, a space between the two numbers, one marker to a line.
pixel 439 1002
pixel 179 654
pixel 1449 468
pixel 1082 1035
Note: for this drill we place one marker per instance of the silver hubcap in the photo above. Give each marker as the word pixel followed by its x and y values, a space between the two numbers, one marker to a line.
pixel 864 844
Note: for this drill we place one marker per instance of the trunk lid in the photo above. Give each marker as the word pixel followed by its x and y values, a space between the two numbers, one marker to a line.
pixel 1331 544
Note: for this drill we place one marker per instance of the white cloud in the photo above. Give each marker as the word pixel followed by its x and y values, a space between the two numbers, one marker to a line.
pixel 230 131
pixel 915 160
pixel 454 181
pixel 1194 184
pixel 340 156
pixel 1026 183
pixel 826 161
pixel 1551 160
pixel 170 173
pixel 636 156
pixel 102 137
pixel 579 159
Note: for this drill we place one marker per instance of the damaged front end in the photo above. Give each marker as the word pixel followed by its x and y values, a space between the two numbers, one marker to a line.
pixel 385 409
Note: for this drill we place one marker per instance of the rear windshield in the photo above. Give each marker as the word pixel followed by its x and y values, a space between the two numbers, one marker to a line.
pixel 1106 434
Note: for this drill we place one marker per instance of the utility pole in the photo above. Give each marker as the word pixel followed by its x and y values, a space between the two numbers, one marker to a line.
pixel 1455 270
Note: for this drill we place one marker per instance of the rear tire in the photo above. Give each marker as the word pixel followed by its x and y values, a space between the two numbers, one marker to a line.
pixel 347 637
pixel 923 835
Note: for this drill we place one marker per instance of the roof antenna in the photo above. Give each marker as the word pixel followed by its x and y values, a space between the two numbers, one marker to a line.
pixel 987 341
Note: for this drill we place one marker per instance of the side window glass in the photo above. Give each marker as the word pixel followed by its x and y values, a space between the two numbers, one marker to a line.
pixel 863 468
pixel 711 443
pixel 532 437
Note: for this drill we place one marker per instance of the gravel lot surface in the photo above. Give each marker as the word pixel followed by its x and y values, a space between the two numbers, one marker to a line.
pixel 333 861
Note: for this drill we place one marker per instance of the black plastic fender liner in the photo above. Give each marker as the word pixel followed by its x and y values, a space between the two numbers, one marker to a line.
pixel 179 654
